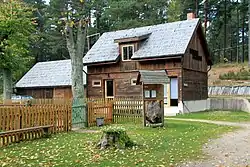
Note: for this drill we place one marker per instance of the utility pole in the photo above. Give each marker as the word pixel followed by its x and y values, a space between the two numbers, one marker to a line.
pixel 196 8
pixel 243 33
pixel 205 12
pixel 238 33
pixel 248 34
pixel 225 29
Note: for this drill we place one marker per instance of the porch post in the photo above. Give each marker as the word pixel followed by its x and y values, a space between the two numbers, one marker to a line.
pixel 143 105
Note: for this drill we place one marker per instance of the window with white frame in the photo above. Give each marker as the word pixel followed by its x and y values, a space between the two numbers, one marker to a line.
pixel 147 94
pixel 153 93
pixel 133 81
pixel 127 52
pixel 150 94
pixel 96 83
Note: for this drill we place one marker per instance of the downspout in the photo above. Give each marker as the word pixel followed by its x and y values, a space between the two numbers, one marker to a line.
pixel 210 67
pixel 86 93
pixel 182 80
pixel 86 82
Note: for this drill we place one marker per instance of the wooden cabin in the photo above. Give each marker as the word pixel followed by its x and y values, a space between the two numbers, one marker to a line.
pixel 47 80
pixel 179 48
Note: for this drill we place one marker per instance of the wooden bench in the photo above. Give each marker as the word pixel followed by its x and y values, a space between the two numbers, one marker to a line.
pixel 15 136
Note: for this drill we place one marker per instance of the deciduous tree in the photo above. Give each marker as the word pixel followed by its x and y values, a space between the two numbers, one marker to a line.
pixel 16 28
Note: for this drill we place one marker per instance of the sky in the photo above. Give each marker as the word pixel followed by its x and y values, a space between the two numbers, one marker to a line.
pixel 47 1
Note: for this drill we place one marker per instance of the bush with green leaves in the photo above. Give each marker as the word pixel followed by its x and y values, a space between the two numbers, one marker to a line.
pixel 243 74
pixel 116 137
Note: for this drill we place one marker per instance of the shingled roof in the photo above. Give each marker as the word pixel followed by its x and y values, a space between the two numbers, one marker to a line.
pixel 153 77
pixel 164 40
pixel 48 74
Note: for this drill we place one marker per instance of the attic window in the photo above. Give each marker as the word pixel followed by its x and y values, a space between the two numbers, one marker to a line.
pixel 133 81
pixel 195 55
pixel 127 52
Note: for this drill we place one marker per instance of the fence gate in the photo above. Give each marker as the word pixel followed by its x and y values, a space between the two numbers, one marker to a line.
pixel 79 116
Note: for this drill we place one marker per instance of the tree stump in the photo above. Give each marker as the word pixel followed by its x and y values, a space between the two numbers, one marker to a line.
pixel 114 137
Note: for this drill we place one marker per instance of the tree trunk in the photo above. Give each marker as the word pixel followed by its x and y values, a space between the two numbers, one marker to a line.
pixel 7 84
pixel 76 51
pixel 77 76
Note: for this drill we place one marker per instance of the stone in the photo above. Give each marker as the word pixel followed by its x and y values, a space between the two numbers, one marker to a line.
pixel 154 113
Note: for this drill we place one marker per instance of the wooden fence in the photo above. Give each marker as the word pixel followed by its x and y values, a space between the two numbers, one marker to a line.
pixel 99 108
pixel 128 110
pixel 35 101
pixel 18 117
pixel 118 110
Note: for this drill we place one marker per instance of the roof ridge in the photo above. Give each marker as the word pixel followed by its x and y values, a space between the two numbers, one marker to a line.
pixel 43 62
pixel 175 22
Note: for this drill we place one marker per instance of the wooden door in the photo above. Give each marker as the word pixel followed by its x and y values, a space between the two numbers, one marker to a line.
pixel 174 91
pixel 109 89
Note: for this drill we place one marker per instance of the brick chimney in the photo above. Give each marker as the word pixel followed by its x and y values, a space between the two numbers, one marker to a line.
pixel 191 16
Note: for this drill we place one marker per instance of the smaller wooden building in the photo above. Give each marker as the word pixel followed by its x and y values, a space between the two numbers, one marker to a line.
pixel 46 80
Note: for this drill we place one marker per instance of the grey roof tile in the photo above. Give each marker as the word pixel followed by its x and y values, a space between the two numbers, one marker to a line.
pixel 165 40
pixel 48 74
pixel 154 77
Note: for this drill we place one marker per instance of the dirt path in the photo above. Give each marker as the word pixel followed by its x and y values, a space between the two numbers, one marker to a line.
pixel 231 150
pixel 79 130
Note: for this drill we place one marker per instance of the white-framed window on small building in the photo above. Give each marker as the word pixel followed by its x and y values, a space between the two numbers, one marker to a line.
pixel 133 81
pixel 96 83
pixel 127 52
pixel 150 94
pixel 147 94
pixel 153 93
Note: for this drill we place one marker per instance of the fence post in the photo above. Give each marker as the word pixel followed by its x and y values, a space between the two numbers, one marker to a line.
pixel 162 112
pixel 143 109
pixel 86 114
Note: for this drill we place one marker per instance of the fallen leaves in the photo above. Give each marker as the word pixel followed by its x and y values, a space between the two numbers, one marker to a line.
pixel 155 147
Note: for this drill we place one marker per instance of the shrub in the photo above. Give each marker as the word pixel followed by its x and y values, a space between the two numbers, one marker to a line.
pixel 115 136
pixel 243 74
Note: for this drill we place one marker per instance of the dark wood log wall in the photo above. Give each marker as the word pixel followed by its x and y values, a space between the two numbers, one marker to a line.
pixel 38 93
pixel 122 84
pixel 194 74
pixel 123 72
pixel 46 93
pixel 195 78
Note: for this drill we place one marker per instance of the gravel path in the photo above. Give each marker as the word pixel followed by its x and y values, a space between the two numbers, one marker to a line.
pixel 231 150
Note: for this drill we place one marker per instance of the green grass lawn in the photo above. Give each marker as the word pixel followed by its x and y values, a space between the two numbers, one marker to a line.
pixel 232 116
pixel 178 141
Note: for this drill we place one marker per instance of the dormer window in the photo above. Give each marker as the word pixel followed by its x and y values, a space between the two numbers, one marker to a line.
pixel 127 52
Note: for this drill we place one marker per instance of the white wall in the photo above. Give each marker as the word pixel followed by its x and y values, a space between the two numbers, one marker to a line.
pixel 195 106
pixel 230 104
pixel 241 104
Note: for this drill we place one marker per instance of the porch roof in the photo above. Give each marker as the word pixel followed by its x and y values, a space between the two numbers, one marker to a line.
pixel 153 77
